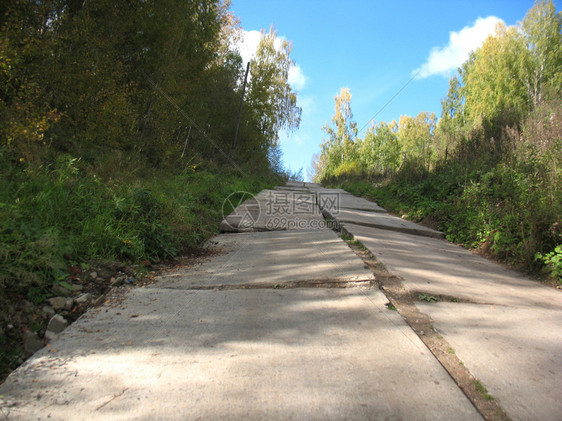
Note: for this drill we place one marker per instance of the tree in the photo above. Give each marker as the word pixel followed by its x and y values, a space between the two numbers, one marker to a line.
pixel 339 148
pixel 493 79
pixel 542 34
pixel 416 138
pixel 271 98
pixel 380 150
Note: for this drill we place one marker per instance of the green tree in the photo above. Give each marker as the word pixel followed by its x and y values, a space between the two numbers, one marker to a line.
pixel 340 147
pixel 542 34
pixel 493 79
pixel 272 101
pixel 380 152
pixel 416 138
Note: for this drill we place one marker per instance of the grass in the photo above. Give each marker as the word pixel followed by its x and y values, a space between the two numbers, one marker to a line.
pixel 482 390
pixel 428 298
pixel 350 240
pixel 503 211
pixel 61 214
pixel 359 245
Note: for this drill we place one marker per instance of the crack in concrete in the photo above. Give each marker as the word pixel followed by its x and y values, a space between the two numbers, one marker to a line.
pixel 282 285
pixel 421 323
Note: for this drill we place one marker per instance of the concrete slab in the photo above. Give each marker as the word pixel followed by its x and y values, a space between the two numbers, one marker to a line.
pixel 295 184
pixel 312 185
pixel 440 268
pixel 513 344
pixel 291 188
pixel 324 190
pixel 381 221
pixel 309 354
pixel 335 202
pixel 269 258
pixel 273 210
pixel 515 352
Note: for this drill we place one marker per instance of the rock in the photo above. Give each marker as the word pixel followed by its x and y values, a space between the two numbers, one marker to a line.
pixel 68 304
pixel 49 311
pixel 57 324
pixel 78 288
pixel 61 290
pixel 49 337
pixel 93 275
pixel 58 303
pixel 99 301
pixel 31 342
pixel 83 299
pixel 120 280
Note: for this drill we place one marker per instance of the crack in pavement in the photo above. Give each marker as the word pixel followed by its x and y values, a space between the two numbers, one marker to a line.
pixel 405 303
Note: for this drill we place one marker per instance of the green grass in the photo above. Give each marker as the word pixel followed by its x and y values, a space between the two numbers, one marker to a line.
pixel 428 298
pixel 54 215
pixel 482 390
pixel 60 214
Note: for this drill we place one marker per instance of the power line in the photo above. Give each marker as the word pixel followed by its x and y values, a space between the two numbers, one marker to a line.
pixel 389 101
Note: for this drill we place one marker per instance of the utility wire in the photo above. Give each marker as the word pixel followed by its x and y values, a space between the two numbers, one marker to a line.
pixel 389 101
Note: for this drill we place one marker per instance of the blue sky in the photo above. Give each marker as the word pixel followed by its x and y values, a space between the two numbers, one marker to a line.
pixel 373 48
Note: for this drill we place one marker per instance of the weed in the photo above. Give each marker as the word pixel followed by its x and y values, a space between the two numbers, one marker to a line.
pixel 391 306
pixel 482 390
pixel 347 237
pixel 428 298
pixel 552 262
pixel 359 245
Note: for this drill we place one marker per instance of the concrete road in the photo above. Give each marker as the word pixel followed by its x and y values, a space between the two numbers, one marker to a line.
pixel 510 337
pixel 233 338
pixel 270 259
pixel 306 353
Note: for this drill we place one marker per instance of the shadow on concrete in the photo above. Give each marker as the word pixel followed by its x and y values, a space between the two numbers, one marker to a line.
pixel 294 353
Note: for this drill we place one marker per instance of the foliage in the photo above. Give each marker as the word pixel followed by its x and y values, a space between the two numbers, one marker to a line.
pixel 553 262
pixel 489 172
pixel 114 119
pixel 339 149
pixel 271 97
pixel 61 213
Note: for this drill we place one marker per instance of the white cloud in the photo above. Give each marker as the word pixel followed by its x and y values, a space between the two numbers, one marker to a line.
pixel 248 47
pixel 445 60
pixel 297 79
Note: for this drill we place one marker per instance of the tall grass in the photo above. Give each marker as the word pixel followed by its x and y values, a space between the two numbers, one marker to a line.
pixel 63 213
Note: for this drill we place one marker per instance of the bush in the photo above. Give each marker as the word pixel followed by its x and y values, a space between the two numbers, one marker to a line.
pixel 61 213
